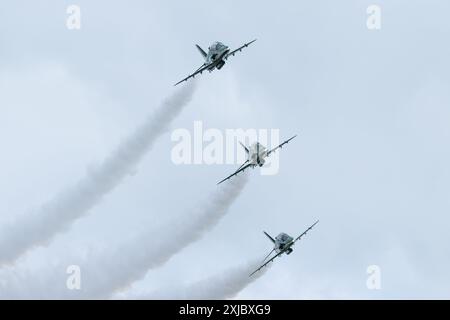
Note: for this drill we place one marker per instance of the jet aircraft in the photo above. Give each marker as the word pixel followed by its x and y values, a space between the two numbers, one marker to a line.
pixel 217 55
pixel 283 243
pixel 256 155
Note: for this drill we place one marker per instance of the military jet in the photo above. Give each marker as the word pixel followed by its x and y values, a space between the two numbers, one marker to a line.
pixel 256 155
pixel 217 54
pixel 283 243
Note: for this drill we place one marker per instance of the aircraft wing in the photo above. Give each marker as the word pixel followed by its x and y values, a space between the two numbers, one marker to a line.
pixel 281 145
pixel 298 238
pixel 232 53
pixel 267 262
pixel 242 168
pixel 199 70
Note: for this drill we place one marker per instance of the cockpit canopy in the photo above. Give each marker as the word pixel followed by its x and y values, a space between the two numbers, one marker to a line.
pixel 217 46
pixel 283 237
pixel 256 148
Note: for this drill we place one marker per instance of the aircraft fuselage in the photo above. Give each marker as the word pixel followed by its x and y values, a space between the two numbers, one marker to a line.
pixel 283 242
pixel 257 154
pixel 216 54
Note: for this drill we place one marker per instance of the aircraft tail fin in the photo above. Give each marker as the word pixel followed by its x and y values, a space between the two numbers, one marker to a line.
pixel 268 236
pixel 201 51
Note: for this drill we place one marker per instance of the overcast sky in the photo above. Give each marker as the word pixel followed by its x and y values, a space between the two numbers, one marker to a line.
pixel 371 109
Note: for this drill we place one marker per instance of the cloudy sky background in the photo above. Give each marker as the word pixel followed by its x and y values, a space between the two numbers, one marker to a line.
pixel 371 109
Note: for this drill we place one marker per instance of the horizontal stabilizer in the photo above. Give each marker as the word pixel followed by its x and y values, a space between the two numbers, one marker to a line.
pixel 246 149
pixel 268 236
pixel 201 51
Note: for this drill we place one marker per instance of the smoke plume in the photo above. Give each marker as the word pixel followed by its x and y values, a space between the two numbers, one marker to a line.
pixel 41 226
pixel 225 285
pixel 108 272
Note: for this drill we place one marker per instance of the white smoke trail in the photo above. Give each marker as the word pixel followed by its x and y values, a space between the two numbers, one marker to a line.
pixel 107 272
pixel 39 227
pixel 152 249
pixel 225 285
